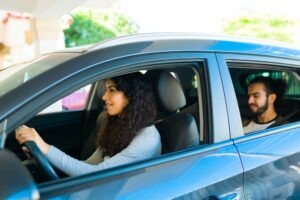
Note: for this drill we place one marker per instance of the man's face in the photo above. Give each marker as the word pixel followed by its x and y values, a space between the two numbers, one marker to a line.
pixel 258 100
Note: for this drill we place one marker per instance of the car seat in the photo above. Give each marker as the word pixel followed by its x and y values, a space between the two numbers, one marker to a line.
pixel 89 145
pixel 178 130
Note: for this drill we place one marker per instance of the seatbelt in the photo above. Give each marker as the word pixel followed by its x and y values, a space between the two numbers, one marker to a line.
pixel 284 119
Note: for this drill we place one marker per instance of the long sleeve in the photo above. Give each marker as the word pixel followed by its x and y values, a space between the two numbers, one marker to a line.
pixel 145 145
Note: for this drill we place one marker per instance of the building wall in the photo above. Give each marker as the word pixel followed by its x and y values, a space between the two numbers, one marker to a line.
pixel 15 33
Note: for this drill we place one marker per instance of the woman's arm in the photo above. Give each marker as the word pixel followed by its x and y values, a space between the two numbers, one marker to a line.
pixel 145 145
pixel 25 133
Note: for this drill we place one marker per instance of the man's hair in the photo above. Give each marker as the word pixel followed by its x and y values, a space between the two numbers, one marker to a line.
pixel 272 86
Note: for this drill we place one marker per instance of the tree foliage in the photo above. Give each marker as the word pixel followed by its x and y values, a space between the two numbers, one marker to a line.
pixel 271 28
pixel 91 26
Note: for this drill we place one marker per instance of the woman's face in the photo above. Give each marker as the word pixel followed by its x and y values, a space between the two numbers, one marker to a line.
pixel 115 101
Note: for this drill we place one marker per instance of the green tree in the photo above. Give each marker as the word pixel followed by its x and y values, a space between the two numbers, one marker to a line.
pixel 266 27
pixel 91 26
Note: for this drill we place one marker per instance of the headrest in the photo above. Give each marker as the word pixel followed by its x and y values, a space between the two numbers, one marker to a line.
pixel 168 90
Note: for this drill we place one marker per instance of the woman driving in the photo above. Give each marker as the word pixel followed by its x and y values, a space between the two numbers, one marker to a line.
pixel 126 135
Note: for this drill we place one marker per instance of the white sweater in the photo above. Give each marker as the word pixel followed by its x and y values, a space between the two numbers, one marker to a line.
pixel 145 145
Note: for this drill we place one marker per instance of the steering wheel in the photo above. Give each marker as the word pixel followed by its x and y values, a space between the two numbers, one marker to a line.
pixel 41 160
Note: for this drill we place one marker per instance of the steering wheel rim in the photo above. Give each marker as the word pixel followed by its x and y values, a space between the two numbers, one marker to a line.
pixel 41 160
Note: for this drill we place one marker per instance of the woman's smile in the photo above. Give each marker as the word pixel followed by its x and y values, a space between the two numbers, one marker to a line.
pixel 115 100
pixel 108 106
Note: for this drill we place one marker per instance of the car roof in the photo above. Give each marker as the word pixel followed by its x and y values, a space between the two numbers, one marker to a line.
pixel 200 42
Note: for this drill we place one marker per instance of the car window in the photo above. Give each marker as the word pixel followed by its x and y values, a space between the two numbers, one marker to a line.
pixel 291 78
pixel 286 107
pixel 74 101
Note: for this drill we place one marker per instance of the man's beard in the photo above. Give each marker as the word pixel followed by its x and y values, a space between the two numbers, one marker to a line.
pixel 261 109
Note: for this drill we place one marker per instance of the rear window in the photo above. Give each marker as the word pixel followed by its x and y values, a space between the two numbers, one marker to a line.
pixel 292 80
pixel 243 77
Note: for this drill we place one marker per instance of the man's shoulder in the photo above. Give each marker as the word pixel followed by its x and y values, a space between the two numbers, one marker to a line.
pixel 279 117
pixel 280 120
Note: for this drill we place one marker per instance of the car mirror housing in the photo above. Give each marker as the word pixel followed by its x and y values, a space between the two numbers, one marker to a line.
pixel 16 182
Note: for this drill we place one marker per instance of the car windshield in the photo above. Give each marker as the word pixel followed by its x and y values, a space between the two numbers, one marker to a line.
pixel 18 74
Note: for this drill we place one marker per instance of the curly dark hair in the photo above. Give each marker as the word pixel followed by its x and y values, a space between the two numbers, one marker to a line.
pixel 116 132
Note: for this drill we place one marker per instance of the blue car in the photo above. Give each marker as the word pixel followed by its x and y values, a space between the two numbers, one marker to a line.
pixel 205 152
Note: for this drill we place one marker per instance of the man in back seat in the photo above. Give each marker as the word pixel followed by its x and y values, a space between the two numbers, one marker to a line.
pixel 263 95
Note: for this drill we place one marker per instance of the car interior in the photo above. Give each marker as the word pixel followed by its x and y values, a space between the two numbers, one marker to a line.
pixel 74 132
pixel 289 105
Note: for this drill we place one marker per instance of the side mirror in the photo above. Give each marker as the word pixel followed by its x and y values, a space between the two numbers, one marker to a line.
pixel 15 182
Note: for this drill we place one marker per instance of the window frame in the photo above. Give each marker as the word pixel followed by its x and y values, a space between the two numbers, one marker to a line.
pixel 277 63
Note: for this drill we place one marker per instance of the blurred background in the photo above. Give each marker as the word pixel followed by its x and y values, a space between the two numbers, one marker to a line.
pixel 29 28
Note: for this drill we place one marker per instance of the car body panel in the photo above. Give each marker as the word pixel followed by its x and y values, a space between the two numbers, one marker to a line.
pixel 182 176
pixel 271 163
pixel 207 43
pixel 230 99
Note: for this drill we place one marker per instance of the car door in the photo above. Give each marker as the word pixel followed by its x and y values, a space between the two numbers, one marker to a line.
pixel 270 157
pixel 211 170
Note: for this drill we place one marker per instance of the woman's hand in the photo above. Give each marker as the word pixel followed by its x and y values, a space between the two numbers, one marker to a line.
pixel 24 134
